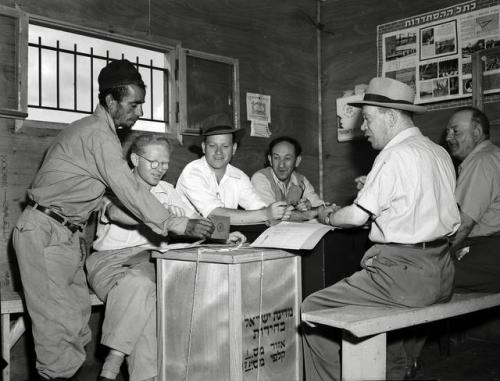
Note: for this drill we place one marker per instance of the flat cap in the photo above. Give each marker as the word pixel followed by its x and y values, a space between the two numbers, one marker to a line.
pixel 119 73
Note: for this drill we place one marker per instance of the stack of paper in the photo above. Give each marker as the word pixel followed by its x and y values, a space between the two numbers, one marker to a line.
pixel 292 235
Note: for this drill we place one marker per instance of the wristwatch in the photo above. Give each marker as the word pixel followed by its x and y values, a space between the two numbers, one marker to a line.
pixel 327 218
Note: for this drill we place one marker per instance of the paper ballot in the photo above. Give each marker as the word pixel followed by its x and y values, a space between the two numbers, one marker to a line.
pixel 292 235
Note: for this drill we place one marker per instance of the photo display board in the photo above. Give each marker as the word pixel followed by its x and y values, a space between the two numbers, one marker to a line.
pixel 431 52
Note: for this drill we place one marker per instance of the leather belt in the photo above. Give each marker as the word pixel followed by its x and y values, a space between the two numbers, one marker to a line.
pixel 56 216
pixel 424 245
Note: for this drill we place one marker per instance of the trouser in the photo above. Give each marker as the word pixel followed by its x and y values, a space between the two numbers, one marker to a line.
pixel 394 276
pixel 55 289
pixel 130 318
pixel 479 269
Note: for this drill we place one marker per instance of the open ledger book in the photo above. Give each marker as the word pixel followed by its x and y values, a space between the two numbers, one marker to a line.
pixel 292 235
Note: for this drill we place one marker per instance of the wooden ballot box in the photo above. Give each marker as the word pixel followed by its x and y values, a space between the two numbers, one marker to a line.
pixel 229 314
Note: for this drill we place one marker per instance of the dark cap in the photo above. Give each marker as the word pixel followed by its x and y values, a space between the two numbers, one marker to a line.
pixel 119 73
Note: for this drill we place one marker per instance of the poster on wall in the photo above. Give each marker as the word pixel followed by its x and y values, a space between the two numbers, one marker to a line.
pixel 349 119
pixel 432 52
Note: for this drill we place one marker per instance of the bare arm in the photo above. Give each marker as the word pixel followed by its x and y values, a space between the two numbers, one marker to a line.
pixel 348 216
pixel 462 233
pixel 298 215
pixel 276 211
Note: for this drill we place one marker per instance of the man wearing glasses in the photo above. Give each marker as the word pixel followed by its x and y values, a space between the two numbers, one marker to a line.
pixel 120 271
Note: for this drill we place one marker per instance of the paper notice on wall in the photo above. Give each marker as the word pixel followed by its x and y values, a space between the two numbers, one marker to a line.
pixel 259 114
pixel 349 119
pixel 260 129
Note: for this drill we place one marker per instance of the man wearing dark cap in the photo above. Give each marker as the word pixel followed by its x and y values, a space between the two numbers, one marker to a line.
pixel 212 186
pixel 83 162
pixel 409 197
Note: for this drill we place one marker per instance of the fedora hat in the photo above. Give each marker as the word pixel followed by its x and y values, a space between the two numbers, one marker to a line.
pixel 217 124
pixel 390 93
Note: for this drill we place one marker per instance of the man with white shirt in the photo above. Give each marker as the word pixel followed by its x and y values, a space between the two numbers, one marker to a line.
pixel 120 272
pixel 212 186
pixel 408 196
pixel 281 181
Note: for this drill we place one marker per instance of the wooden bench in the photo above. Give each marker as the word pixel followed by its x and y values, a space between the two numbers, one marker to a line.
pixel 12 303
pixel 364 329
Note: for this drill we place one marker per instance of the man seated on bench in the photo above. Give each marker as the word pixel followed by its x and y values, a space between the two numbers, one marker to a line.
pixel 120 271
pixel 476 244
pixel 408 195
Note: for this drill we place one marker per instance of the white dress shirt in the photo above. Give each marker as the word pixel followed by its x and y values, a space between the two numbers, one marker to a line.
pixel 410 191
pixel 198 187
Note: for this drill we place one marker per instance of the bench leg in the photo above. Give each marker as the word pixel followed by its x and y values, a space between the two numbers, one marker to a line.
pixel 6 346
pixel 363 359
pixel 16 331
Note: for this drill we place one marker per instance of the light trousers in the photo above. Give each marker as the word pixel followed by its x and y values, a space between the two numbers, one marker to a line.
pixel 55 289
pixel 130 317
pixel 392 276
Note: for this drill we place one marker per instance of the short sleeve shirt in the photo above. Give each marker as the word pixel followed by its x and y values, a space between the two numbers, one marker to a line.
pixel 410 191
pixel 478 188
pixel 198 187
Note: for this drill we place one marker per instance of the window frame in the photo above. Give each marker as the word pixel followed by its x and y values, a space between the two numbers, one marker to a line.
pixel 169 47
pixel 21 59
pixel 183 107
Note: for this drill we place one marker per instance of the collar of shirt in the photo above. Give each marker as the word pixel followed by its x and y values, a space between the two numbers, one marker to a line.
pixel 162 187
pixel 102 113
pixel 403 135
pixel 281 184
pixel 230 170
pixel 480 147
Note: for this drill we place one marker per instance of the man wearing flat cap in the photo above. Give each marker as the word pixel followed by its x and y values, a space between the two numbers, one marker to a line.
pixel 212 186
pixel 83 162
pixel 409 198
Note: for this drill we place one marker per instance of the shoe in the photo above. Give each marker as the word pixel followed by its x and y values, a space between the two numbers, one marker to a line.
pixel 412 368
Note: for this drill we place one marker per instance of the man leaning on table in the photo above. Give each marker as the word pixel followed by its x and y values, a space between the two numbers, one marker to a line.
pixel 212 186
pixel 281 181
pixel 409 197
pixel 83 161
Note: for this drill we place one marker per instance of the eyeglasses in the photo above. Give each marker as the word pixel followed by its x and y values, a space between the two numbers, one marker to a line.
pixel 154 163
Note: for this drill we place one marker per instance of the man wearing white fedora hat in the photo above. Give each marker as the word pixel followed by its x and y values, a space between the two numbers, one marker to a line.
pixel 409 198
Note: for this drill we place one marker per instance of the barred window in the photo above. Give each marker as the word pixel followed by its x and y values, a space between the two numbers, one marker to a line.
pixel 62 76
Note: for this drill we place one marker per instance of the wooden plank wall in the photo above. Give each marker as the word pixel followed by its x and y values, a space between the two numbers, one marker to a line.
pixel 273 40
pixel 350 58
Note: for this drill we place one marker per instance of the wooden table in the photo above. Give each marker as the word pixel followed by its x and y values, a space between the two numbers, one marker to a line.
pixel 229 315
pixel 336 256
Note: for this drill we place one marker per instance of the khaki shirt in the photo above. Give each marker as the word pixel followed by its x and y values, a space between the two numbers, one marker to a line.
pixel 84 160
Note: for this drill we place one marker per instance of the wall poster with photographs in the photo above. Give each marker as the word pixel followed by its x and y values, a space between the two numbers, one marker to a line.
pixel 431 52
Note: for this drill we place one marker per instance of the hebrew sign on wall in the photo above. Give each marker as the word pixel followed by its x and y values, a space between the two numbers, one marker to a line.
pixel 432 52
